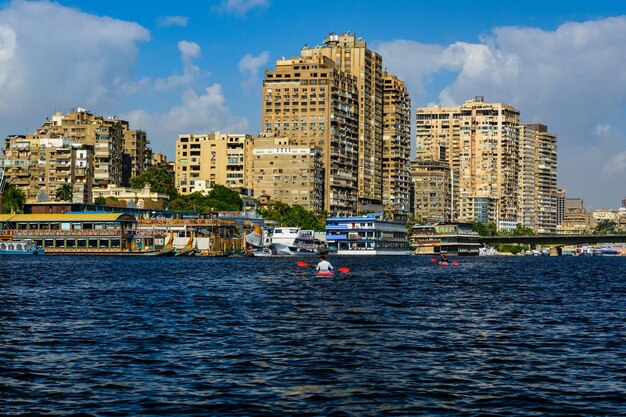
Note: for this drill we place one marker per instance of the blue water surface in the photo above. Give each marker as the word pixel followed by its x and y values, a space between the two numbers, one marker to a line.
pixel 492 336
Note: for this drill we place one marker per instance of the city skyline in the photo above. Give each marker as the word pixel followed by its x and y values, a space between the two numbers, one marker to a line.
pixel 193 69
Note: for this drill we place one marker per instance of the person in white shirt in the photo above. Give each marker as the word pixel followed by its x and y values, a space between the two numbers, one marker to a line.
pixel 324 265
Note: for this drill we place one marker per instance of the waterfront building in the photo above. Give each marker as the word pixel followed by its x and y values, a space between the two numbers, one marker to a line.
pixel 493 155
pixel 311 101
pixel 544 198
pixel 289 172
pixel 560 204
pixel 434 186
pixel 576 219
pixel 202 161
pixel 396 148
pixel 366 235
pixel 125 197
pixel 39 166
pixel 351 56
pixel 119 152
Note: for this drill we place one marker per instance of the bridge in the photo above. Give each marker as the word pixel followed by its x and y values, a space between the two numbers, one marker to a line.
pixel 554 240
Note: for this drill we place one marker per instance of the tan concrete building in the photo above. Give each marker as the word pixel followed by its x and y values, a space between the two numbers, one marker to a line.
pixel 434 188
pixel 351 55
pixel 119 152
pixel 40 166
pixel 202 161
pixel 131 197
pixel 311 101
pixel 498 165
pixel 545 195
pixel 396 148
pixel 286 171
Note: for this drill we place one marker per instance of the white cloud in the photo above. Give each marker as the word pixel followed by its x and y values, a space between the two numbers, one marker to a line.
pixel 240 7
pixel 197 114
pixel 602 129
pixel 167 21
pixel 616 167
pixel 249 67
pixel 54 56
pixel 573 79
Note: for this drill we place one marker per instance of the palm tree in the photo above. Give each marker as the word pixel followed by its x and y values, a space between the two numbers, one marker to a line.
pixel 13 200
pixel 64 193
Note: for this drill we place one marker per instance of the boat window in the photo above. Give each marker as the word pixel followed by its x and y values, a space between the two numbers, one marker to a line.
pixel 48 243
pixel 98 226
pixel 44 226
pixel 70 243
pixel 92 243
pixel 54 226
pixel 66 226
pixel 59 243
pixel 77 226
pixel 87 226
pixel 81 243
pixel 104 243
pixel 115 243
pixel 32 226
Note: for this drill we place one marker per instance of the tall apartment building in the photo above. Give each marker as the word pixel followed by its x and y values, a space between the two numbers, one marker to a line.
pixel 396 148
pixel 434 186
pixel 497 159
pixel 202 161
pixel 286 171
pixel 40 166
pixel 137 153
pixel 351 55
pixel 560 204
pixel 545 179
pixel 311 101
pixel 119 152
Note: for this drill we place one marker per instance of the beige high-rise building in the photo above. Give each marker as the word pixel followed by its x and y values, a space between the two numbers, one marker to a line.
pixel 434 188
pixel 286 171
pixel 480 141
pixel 202 161
pixel 311 101
pixel 396 148
pixel 119 152
pixel 40 166
pixel 545 193
pixel 352 56
pixel 526 177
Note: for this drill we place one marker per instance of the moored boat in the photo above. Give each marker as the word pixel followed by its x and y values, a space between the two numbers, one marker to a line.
pixel 19 247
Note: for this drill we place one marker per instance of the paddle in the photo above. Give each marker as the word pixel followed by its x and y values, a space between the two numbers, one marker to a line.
pixel 344 270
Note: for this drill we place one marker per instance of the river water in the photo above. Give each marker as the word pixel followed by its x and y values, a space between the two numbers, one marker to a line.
pixel 492 336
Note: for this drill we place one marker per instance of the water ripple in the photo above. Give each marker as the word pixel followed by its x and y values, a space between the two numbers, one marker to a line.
pixel 202 336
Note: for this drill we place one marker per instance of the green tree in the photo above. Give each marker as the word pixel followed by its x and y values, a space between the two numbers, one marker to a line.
pixel 223 198
pixel 13 200
pixel 490 229
pixel 294 216
pixel 160 178
pixel 522 231
pixel 605 227
pixel 64 193
pixel 101 201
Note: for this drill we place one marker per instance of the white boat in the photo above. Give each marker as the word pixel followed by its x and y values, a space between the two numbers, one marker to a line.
pixel 19 247
pixel 487 251
pixel 366 235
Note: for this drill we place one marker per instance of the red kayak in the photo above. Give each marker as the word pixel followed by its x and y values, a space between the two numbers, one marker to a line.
pixel 325 274
pixel 443 263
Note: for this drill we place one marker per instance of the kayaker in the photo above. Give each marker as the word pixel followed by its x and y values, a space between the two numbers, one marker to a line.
pixel 443 258
pixel 324 265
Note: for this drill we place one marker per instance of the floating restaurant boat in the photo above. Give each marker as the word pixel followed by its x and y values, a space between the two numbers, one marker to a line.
pixel 366 235
pixel 99 233
pixel 450 238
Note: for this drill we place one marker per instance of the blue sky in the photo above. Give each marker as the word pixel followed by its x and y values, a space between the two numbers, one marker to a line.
pixel 197 66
